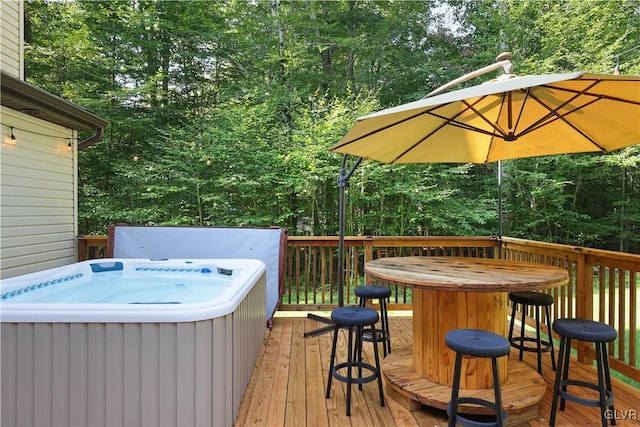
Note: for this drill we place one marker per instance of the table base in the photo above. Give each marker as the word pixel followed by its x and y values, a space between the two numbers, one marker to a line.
pixel 521 393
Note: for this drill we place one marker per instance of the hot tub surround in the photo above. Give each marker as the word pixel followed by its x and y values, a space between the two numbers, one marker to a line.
pixel 186 371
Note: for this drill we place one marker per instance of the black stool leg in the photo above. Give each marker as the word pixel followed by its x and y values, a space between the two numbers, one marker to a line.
pixel 547 313
pixel 604 382
pixel 522 328
pixel 378 370
pixel 607 377
pixel 386 337
pixel 363 303
pixel 357 353
pixel 565 373
pixel 453 405
pixel 513 318
pixel 349 373
pixel 512 324
pixel 538 339
pixel 498 396
pixel 556 384
pixel 332 362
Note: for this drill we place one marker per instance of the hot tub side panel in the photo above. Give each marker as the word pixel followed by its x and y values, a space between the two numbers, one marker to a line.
pixel 248 337
pixel 191 373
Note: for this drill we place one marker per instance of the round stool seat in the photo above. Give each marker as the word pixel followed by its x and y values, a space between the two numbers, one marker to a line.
pixel 531 298
pixel 373 292
pixel 478 343
pixel 354 316
pixel 585 330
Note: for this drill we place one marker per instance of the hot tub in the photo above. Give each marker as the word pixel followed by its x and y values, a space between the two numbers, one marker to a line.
pixel 131 342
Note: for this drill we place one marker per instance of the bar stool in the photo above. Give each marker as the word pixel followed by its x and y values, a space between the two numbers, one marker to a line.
pixel 354 319
pixel 476 343
pixel 588 331
pixel 382 294
pixel 536 300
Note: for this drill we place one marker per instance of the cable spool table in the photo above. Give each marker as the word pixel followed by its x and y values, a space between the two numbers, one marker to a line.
pixel 453 293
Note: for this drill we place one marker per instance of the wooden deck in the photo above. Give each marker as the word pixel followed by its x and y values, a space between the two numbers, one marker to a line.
pixel 288 385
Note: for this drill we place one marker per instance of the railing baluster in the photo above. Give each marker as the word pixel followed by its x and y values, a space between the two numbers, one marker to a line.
pixel 633 320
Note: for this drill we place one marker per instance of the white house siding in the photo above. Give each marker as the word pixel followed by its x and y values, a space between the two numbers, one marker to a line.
pixel 37 195
pixel 11 27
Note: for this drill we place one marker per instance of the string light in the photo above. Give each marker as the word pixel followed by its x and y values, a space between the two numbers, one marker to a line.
pixel 13 136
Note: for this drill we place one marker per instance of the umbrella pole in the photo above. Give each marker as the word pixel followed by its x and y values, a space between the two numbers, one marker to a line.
pixel 499 209
pixel 343 182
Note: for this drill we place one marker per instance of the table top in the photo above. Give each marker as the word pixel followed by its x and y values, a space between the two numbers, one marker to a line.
pixel 466 274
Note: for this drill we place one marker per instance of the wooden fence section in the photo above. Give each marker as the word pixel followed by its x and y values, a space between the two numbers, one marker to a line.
pixel 603 287
pixel 312 265
pixel 603 284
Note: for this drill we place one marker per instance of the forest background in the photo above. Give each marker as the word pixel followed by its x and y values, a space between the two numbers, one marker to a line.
pixel 222 113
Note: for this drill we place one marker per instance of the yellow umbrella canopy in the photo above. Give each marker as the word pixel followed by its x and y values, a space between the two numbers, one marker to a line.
pixel 509 117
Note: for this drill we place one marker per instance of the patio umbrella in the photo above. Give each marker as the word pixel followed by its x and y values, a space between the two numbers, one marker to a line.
pixel 506 118
pixel 509 117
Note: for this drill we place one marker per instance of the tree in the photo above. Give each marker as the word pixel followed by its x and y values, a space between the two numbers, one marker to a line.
pixel 230 108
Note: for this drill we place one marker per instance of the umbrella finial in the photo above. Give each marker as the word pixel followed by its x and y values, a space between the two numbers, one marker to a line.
pixel 505 60
pixel 504 56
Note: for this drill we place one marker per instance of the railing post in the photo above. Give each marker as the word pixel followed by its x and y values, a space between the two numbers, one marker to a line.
pixel 82 254
pixel 368 256
pixel 584 301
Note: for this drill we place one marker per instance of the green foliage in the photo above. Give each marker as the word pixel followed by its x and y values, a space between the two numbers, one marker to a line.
pixel 230 108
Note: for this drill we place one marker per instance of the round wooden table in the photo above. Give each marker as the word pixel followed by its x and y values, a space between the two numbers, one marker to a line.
pixel 450 293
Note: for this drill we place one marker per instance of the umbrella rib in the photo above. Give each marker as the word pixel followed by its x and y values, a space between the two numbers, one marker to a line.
pixel 596 95
pixel 451 121
pixel 553 112
pixel 495 126
pixel 419 141
pixel 390 125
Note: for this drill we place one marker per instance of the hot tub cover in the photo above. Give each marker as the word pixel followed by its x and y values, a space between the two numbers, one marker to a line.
pixel 266 244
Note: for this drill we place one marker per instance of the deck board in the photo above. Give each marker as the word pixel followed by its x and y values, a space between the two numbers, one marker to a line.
pixel 288 387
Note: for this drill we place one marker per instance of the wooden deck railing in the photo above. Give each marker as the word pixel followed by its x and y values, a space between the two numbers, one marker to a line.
pixel 603 284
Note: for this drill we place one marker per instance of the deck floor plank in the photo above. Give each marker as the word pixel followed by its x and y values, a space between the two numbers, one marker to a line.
pixel 259 404
pixel 281 380
pixel 317 410
pixel 288 387
pixel 297 407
